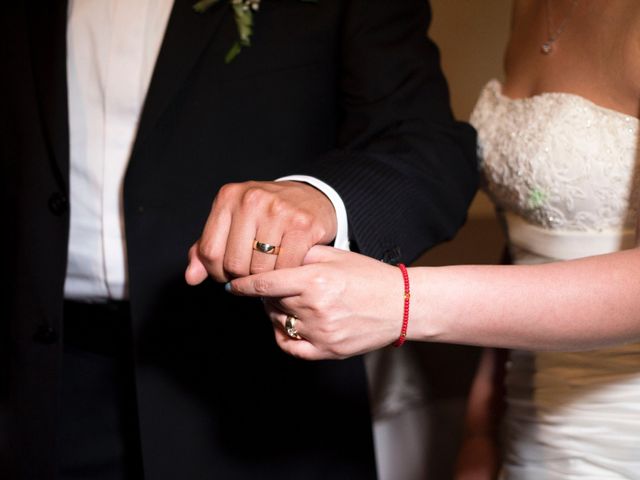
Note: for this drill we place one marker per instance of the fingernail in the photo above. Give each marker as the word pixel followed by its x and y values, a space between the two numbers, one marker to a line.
pixel 227 287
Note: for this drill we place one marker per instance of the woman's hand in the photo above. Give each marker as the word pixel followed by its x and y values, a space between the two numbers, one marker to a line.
pixel 344 303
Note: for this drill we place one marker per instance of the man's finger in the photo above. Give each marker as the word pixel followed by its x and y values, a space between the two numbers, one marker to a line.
pixel 267 246
pixel 239 248
pixel 212 242
pixel 295 245
pixel 196 272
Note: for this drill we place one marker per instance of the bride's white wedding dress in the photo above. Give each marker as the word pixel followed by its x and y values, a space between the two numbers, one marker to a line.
pixel 564 175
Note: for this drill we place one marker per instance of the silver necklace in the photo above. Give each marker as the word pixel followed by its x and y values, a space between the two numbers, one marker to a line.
pixel 547 47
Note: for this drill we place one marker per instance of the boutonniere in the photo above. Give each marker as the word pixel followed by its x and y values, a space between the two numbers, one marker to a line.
pixel 243 11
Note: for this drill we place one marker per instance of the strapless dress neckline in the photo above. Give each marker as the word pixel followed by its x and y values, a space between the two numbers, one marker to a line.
pixel 497 87
pixel 558 160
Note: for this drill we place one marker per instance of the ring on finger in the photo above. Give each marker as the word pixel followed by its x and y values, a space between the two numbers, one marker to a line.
pixel 266 248
pixel 290 327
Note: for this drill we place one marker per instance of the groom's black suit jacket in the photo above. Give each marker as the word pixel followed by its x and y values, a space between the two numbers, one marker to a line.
pixel 349 91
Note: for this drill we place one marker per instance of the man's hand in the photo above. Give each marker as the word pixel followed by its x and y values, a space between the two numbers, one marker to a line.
pixel 292 215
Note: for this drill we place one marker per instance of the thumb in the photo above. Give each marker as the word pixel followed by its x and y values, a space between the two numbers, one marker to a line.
pixel 322 254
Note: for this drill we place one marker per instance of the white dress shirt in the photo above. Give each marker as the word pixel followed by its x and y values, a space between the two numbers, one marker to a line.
pixel 112 49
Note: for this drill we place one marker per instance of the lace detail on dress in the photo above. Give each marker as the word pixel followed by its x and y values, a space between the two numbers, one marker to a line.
pixel 558 160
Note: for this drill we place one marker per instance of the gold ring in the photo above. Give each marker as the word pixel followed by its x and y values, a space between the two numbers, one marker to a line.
pixel 266 248
pixel 290 327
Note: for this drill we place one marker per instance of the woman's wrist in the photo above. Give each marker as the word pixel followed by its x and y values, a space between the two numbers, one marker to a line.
pixel 424 319
pixel 406 304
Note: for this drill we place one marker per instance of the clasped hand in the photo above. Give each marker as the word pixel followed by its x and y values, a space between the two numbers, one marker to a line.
pixel 335 311
pixel 338 314
pixel 293 216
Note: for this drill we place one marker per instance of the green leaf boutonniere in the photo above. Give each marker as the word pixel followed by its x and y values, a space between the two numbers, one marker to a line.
pixel 243 11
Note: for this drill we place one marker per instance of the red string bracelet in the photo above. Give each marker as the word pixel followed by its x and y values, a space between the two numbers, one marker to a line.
pixel 405 314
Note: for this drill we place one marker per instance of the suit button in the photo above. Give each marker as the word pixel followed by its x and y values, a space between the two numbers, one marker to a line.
pixel 58 204
pixel 391 256
pixel 46 335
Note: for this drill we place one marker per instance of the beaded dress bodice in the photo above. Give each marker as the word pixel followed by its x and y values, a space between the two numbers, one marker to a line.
pixel 559 161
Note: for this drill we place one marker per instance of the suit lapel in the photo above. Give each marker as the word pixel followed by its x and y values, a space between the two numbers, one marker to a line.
pixel 187 35
pixel 47 22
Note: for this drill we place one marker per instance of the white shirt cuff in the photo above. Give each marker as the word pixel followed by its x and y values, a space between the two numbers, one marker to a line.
pixel 342 230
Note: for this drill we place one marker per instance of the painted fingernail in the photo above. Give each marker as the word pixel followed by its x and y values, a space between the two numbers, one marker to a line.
pixel 227 287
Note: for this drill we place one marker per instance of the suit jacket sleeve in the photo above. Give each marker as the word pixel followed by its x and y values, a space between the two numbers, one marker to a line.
pixel 405 168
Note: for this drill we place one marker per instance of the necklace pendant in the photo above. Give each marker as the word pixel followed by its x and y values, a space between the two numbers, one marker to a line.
pixel 546 48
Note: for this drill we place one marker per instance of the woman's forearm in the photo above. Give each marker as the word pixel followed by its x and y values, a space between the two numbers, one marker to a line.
pixel 346 304
pixel 579 304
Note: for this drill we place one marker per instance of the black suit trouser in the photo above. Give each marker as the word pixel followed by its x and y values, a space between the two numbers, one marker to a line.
pixel 98 434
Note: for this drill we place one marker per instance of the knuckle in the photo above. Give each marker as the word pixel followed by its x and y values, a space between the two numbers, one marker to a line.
pixel 337 351
pixel 254 196
pixel 261 286
pixel 227 191
pixel 331 353
pixel 324 306
pixel 327 331
pixel 235 267
pixel 320 280
pixel 278 207
pixel 207 252
pixel 335 333
pixel 320 308
pixel 302 221
pixel 335 336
